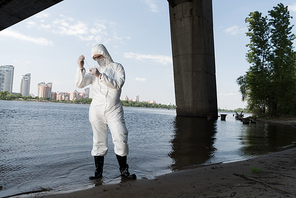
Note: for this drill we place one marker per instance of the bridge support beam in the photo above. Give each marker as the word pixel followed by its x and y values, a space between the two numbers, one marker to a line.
pixel 14 11
pixel 193 57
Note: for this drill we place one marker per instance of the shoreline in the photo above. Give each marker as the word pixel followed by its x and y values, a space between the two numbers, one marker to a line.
pixel 235 179
pixel 290 121
pixel 276 178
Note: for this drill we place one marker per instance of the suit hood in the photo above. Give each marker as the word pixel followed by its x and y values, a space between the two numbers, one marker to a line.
pixel 101 49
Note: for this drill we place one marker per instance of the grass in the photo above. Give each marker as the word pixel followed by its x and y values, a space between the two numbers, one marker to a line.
pixel 256 170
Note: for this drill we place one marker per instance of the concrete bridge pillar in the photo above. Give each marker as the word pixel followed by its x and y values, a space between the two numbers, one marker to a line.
pixel 193 57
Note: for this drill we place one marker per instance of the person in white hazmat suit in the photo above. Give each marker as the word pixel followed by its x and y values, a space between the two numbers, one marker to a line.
pixel 106 109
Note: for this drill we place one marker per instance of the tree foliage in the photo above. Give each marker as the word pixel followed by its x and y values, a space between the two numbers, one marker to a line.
pixel 83 101
pixel 146 105
pixel 269 85
pixel 5 95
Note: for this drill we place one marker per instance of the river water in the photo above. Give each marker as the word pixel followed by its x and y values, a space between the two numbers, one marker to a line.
pixel 46 146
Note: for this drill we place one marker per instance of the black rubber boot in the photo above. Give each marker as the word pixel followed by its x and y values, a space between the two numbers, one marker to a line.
pixel 99 162
pixel 123 168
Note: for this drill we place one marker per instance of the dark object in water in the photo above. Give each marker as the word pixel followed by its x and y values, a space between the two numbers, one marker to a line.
pixel 239 116
pixel 246 120
pixel 223 116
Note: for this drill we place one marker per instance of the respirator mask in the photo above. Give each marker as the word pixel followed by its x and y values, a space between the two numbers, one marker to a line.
pixel 101 61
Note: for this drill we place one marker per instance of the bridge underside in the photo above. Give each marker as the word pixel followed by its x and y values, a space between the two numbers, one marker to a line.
pixel 14 11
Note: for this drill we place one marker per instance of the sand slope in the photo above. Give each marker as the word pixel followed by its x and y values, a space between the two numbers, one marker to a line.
pixel 277 178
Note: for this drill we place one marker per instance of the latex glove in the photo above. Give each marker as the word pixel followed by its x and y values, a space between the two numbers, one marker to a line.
pixel 95 71
pixel 80 61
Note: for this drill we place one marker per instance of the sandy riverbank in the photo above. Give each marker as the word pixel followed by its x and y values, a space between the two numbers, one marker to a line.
pixel 276 178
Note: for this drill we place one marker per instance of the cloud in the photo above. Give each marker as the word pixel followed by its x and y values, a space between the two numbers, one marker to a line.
pixel 140 79
pixel 157 58
pixel 234 30
pixel 17 35
pixel 152 6
pixel 292 8
pixel 99 31
pixel 48 26
pixel 30 24
pixel 42 15
pixel 62 27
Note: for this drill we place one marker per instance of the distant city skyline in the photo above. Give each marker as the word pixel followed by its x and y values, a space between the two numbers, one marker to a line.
pixel 137 99
pixel 44 90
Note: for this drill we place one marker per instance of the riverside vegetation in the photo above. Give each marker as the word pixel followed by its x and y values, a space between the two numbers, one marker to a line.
pixel 269 86
pixel 8 96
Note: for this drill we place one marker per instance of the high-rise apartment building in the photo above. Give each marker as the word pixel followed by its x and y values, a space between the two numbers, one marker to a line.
pixel 53 96
pixel 75 95
pixel 137 98
pixel 40 90
pixel 86 93
pixel 25 84
pixel 44 90
pixel 6 78
pixel 47 90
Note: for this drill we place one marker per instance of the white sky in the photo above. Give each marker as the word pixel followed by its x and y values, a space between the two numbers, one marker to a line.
pixel 136 34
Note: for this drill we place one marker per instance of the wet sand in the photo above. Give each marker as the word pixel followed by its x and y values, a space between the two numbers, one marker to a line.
pixel 276 178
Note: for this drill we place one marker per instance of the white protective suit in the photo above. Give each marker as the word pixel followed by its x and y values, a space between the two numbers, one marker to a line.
pixel 106 108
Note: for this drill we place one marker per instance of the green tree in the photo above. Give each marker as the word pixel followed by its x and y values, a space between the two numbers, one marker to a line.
pixel 146 104
pixel 282 61
pixel 3 95
pixel 272 63
pixel 254 84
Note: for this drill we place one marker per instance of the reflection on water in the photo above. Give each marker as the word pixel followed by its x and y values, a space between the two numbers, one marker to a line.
pixel 198 141
pixel 47 145
pixel 193 141
pixel 263 138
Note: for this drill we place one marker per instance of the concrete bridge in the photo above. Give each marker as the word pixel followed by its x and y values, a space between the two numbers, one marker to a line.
pixel 192 46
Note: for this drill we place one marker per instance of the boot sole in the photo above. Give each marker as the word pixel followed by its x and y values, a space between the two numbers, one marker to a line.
pixel 132 177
